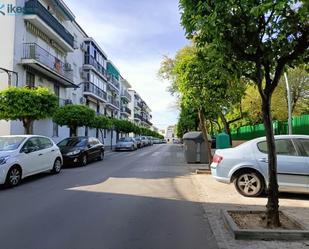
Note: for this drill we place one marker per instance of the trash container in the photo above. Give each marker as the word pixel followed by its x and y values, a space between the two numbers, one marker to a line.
pixel 223 141
pixel 195 147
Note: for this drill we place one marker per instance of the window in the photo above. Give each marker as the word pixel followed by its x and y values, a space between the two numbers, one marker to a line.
pixel 305 145
pixel 283 147
pixel 45 143
pixel 30 80
pixel 33 144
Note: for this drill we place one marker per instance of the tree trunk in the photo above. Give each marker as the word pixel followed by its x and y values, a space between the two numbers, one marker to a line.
pixel 28 126
pixel 73 131
pixel 205 133
pixel 226 126
pixel 272 213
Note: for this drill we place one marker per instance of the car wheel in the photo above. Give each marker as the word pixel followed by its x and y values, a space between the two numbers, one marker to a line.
pixel 13 177
pixel 101 156
pixel 84 160
pixel 57 166
pixel 249 184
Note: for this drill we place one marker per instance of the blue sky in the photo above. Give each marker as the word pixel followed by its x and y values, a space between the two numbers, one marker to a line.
pixel 136 34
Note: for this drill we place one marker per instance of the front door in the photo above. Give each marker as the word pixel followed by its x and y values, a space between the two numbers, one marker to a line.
pixel 31 157
pixel 291 168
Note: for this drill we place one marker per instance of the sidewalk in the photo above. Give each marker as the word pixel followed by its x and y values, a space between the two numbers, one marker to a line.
pixel 216 196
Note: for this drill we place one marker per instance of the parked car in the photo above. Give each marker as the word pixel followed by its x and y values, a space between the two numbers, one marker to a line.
pixel 126 143
pixel 150 140
pixel 81 150
pixel 26 155
pixel 139 142
pixel 145 141
pixel 247 165
pixel 156 141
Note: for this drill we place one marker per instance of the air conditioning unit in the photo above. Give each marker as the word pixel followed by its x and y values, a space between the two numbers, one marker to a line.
pixel 83 100
pixel 83 47
pixel 67 67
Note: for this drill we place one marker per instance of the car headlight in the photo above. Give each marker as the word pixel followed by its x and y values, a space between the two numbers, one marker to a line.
pixel 72 153
pixel 4 159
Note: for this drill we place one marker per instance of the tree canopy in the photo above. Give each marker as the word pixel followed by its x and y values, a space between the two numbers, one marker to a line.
pixel 27 105
pixel 74 116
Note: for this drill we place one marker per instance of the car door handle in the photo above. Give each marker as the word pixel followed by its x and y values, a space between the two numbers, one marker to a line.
pixel 264 160
pixel 52 150
pixel 40 154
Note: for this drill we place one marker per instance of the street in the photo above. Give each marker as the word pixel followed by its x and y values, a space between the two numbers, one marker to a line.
pixel 131 200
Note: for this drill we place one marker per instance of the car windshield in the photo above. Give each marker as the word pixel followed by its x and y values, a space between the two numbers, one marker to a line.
pixel 10 143
pixel 125 139
pixel 73 142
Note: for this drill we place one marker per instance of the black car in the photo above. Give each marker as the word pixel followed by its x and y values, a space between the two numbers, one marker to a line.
pixel 81 150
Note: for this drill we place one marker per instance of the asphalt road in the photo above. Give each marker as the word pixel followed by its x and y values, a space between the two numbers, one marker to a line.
pixel 132 200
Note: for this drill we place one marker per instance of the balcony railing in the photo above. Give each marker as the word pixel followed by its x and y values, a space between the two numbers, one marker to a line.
pixel 92 88
pixel 113 101
pixel 34 7
pixel 126 94
pixel 90 60
pixel 35 52
pixel 111 79
pixel 126 109
pixel 137 116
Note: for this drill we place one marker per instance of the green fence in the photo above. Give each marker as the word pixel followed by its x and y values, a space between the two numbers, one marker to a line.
pixel 300 125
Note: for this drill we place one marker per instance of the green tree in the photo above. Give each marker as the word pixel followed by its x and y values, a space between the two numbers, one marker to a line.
pixel 74 116
pixel 261 36
pixel 188 121
pixel 100 123
pixel 205 83
pixel 27 105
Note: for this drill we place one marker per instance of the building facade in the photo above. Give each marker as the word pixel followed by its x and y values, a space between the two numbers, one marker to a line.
pixel 46 47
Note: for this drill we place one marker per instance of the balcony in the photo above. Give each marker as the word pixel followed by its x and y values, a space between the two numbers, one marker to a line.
pixel 113 102
pixel 39 16
pixel 90 60
pixel 126 95
pixel 44 62
pixel 126 110
pixel 90 89
pixel 113 81
pixel 137 116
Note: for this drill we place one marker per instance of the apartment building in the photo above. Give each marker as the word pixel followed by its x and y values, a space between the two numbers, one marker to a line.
pixel 141 113
pixel 125 110
pixel 45 46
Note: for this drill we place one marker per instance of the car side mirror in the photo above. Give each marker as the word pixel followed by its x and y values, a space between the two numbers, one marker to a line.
pixel 28 150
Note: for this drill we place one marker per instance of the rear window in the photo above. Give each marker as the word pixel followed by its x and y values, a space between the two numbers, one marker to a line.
pixel 283 147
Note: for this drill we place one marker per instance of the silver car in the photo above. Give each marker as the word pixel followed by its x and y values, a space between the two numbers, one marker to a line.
pixel 126 143
pixel 247 165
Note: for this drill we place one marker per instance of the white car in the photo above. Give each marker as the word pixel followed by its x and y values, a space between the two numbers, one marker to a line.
pixel 247 165
pixel 25 155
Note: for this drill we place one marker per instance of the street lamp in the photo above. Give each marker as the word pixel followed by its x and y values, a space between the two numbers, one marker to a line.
pixel 289 103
